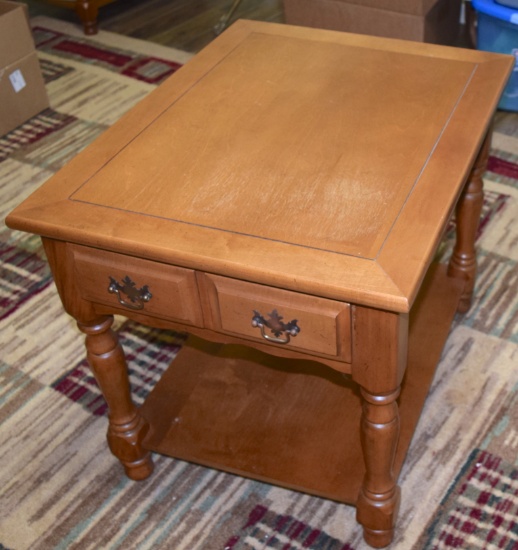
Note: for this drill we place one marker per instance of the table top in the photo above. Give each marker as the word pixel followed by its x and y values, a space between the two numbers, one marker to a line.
pixel 317 161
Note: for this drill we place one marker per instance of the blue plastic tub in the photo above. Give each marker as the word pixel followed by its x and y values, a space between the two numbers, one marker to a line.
pixel 498 32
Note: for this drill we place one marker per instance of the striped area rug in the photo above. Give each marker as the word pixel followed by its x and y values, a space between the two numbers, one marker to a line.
pixel 59 485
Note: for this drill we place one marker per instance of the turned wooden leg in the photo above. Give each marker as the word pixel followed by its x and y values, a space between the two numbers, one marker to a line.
pixel 380 350
pixel 127 428
pixel 463 262
pixel 379 498
pixel 88 12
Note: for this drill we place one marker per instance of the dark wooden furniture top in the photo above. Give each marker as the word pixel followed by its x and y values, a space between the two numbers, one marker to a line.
pixel 87 10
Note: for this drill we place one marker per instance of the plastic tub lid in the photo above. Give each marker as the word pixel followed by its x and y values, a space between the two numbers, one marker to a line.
pixel 508 3
pixel 489 7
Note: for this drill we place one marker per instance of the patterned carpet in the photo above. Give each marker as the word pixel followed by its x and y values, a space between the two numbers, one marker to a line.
pixel 61 488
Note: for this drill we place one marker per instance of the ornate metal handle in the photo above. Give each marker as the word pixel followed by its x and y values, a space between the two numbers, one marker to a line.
pixel 137 296
pixel 277 327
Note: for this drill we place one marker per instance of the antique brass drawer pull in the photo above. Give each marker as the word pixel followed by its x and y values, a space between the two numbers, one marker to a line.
pixel 277 327
pixel 137 296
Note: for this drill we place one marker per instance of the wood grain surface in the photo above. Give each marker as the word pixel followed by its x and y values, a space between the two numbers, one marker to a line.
pixel 271 157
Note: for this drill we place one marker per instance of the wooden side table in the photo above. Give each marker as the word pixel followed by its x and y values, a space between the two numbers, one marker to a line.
pixel 281 198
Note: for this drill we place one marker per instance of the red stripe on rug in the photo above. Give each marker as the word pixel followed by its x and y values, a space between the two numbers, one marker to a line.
pixel 502 167
pixel 480 510
pixel 91 52
pixel 282 532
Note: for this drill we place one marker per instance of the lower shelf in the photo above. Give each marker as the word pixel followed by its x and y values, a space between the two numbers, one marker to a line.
pixel 291 423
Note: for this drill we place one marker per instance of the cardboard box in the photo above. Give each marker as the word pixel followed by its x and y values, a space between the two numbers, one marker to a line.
pixel 22 89
pixel 434 21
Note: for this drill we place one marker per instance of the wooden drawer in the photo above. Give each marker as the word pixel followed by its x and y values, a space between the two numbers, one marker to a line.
pixel 133 284
pixel 325 325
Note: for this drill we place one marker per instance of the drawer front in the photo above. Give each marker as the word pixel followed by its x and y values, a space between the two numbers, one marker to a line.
pixel 133 284
pixel 296 321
